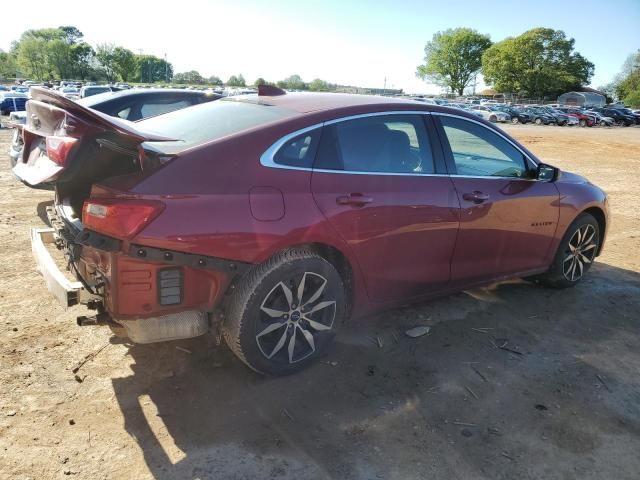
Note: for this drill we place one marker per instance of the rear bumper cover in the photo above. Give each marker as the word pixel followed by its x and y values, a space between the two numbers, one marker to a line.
pixel 66 291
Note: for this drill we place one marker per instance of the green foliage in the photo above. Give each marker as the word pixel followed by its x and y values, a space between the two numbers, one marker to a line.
pixel 293 82
pixel 541 61
pixel 191 77
pixel 7 65
pixel 453 57
pixel 214 80
pixel 318 85
pixel 628 85
pixel 152 69
pixel 124 63
pixel 236 81
pixel 105 53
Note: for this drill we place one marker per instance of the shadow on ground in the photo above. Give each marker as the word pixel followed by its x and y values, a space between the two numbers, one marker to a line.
pixel 562 400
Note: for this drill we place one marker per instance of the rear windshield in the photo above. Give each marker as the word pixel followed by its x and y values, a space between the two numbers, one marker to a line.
pixel 209 121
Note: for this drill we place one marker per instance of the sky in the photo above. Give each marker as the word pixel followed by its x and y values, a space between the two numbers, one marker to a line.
pixel 349 42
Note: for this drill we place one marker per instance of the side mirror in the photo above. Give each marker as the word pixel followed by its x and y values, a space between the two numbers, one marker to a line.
pixel 546 173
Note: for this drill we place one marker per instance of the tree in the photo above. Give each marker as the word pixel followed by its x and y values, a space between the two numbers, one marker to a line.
pixel 213 80
pixel 83 58
pixel 71 34
pixel 105 53
pixel 539 62
pixel 259 81
pixel 319 85
pixel 628 87
pixel 236 81
pixel 153 69
pixel 453 58
pixel 188 77
pixel 7 65
pixel 31 57
pixel 124 63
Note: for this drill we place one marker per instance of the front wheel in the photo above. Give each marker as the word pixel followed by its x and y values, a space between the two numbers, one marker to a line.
pixel 620 123
pixel 285 313
pixel 515 120
pixel 493 119
pixel 582 123
pixel 538 121
pixel 575 254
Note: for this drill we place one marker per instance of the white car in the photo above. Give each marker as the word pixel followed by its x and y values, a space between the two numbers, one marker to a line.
pixel 492 115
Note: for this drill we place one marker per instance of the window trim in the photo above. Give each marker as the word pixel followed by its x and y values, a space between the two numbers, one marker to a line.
pixel 266 159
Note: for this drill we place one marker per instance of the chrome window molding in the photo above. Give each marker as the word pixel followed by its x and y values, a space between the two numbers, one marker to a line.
pixel 266 159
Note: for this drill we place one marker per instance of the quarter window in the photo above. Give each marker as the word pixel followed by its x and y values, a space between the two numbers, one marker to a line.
pixel 477 151
pixel 299 151
pixel 380 143
pixel 153 109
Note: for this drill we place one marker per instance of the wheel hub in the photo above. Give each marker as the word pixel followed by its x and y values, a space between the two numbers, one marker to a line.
pixel 294 316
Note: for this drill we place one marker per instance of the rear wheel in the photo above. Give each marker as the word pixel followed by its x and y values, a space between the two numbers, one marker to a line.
pixel 538 121
pixel 515 120
pixel 493 119
pixel 582 122
pixel 284 314
pixel 575 254
pixel 620 123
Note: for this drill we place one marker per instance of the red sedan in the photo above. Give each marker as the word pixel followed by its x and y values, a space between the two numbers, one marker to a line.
pixel 274 217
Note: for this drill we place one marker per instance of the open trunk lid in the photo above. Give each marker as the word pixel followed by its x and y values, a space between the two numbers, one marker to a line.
pixel 60 133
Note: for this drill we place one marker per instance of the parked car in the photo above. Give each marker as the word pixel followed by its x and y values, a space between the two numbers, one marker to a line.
pixel 72 93
pixel 517 115
pixel 584 119
pixel 89 90
pixel 540 117
pixel 601 119
pixel 276 216
pixel 491 114
pixel 635 115
pixel 561 118
pixel 620 117
pixel 127 104
pixel 12 101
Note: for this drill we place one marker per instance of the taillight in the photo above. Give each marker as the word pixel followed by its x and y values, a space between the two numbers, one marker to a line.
pixel 119 218
pixel 58 148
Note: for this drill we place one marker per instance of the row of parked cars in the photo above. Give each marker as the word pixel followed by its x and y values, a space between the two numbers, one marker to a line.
pixel 561 115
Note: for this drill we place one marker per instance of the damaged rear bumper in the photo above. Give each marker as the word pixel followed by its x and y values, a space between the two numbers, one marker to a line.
pixel 66 291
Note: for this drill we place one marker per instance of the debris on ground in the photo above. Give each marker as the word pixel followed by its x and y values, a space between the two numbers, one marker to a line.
pixel 599 377
pixel 418 331
pixel 183 349
pixel 11 413
pixel 88 357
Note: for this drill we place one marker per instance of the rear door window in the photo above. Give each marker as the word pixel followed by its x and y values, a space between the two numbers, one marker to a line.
pixel 393 143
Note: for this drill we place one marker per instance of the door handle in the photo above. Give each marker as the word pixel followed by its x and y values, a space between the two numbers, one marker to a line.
pixel 476 197
pixel 353 199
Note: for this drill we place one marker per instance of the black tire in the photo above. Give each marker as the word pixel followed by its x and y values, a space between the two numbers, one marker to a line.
pixel 582 122
pixel 262 290
pixel 538 121
pixel 515 120
pixel 557 276
pixel 620 123
pixel 493 119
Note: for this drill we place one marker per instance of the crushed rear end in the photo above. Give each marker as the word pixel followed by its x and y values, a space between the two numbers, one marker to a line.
pixel 149 294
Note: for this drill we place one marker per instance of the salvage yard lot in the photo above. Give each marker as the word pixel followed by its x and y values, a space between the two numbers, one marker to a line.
pixel 561 400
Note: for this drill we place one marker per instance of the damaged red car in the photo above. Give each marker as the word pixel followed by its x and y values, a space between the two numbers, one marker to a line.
pixel 275 217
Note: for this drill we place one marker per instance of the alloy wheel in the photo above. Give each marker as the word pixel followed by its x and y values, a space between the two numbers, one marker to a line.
pixel 580 252
pixel 293 316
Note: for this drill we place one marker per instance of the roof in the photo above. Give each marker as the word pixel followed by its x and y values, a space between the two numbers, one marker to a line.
pixel 306 102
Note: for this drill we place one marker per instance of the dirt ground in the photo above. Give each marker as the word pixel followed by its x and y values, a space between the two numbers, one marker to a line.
pixel 565 404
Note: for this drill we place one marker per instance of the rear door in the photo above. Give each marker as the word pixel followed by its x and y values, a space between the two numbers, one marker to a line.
pixel 56 131
pixel 378 182
pixel 507 220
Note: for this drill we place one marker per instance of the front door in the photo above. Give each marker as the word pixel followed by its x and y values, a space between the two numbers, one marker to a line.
pixel 507 219
pixel 376 181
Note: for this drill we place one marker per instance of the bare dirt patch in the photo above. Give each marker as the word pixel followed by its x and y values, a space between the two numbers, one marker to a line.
pixel 563 404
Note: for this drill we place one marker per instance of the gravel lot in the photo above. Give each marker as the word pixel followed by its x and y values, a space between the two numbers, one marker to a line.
pixel 447 405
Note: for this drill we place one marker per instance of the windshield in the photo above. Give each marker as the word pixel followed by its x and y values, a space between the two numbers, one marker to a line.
pixel 209 121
